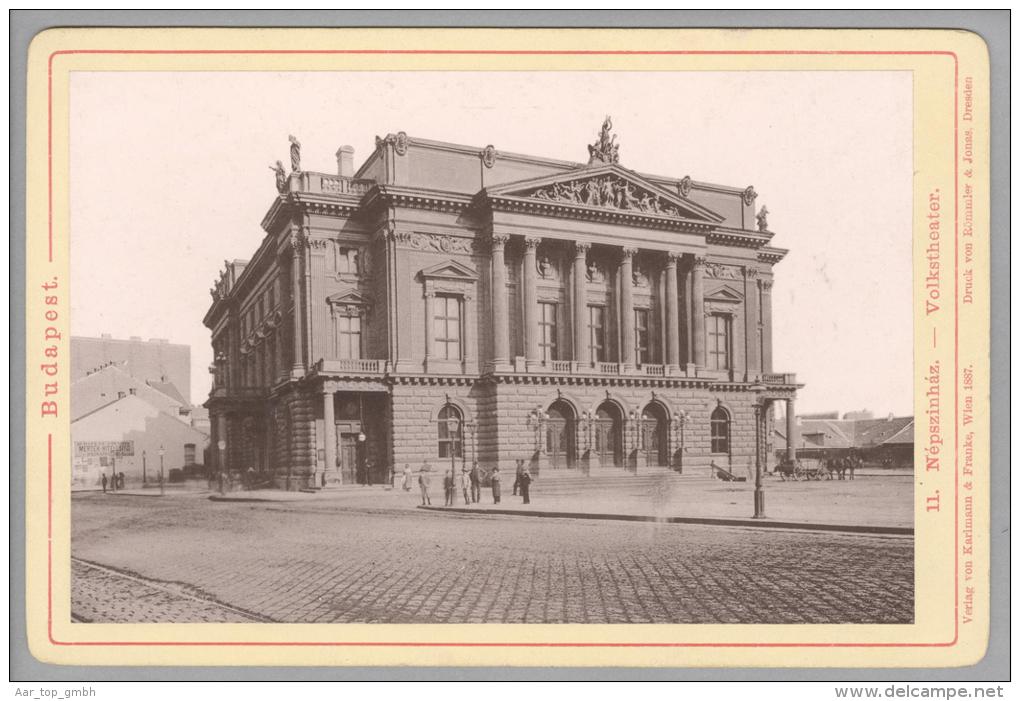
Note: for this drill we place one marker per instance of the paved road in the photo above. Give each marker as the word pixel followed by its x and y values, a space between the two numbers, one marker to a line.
pixel 196 560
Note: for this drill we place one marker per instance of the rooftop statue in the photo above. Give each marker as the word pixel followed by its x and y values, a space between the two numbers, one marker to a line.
pixel 605 150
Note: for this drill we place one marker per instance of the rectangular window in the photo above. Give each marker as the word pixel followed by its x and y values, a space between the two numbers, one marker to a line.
pixel 642 336
pixel 189 453
pixel 597 333
pixel 718 330
pixel 446 328
pixel 547 347
pixel 348 337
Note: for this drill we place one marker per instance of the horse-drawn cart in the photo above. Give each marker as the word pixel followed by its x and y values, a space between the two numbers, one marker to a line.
pixel 802 469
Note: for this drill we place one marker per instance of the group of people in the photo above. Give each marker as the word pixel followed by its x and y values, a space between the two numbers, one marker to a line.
pixel 115 482
pixel 469 482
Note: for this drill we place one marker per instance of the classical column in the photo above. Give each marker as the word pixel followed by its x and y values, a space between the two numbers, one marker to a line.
pixel 791 430
pixel 531 297
pixel 752 365
pixel 672 311
pixel 581 350
pixel 329 426
pixel 296 245
pixel 698 310
pixel 766 325
pixel 500 321
pixel 627 307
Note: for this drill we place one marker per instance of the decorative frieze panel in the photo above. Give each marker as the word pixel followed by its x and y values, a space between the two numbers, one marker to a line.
pixel 437 243
pixel 723 272
pixel 608 191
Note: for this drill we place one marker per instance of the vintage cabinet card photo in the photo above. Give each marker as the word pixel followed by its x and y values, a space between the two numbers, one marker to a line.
pixel 508 347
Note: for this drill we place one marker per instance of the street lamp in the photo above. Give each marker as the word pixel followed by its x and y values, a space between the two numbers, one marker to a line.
pixel 162 452
pixel 143 469
pixel 452 424
pixel 679 421
pixel 759 490
pixel 636 433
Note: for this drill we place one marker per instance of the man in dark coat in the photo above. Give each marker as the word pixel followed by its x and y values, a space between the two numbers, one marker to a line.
pixel 449 486
pixel 526 486
pixel 476 483
pixel 104 483
pixel 517 476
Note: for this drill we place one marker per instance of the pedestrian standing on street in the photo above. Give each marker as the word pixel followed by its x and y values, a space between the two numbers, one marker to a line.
pixel 526 486
pixel 407 478
pixel 251 478
pixel 368 472
pixel 476 483
pixel 494 478
pixel 423 483
pixel 448 487
pixel 104 483
pixel 465 485
pixel 517 476
pixel 121 478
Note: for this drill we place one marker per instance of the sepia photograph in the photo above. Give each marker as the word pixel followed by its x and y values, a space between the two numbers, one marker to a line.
pixel 492 347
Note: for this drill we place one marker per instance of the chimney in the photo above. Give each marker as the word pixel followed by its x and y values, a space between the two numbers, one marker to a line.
pixel 131 390
pixel 345 161
pixel 120 395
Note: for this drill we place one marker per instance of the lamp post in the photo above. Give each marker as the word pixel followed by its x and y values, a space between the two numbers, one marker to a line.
pixel 362 458
pixel 759 491
pixel 143 469
pixel 636 436
pixel 162 452
pixel 679 421
pixel 452 425
pixel 588 421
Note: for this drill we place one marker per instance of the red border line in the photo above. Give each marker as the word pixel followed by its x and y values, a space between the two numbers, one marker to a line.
pixel 377 52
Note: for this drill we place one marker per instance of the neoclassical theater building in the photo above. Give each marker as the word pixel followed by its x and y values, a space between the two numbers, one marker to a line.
pixel 452 304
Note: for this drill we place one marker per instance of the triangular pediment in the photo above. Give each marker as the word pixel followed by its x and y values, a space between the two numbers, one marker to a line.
pixel 607 187
pixel 724 294
pixel 450 270
pixel 349 296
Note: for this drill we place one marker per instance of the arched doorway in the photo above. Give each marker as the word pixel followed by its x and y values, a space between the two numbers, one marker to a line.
pixel 608 436
pixel 655 435
pixel 560 436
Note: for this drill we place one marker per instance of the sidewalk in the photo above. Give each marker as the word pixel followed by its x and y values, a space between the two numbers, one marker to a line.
pixel 863 505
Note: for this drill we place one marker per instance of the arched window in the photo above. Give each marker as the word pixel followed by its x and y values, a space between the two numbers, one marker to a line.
pixel 451 432
pixel 720 431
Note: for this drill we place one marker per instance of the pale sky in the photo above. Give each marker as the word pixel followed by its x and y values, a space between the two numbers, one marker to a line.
pixel 170 176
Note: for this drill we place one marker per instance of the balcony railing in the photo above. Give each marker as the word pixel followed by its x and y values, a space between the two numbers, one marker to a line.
pixel 562 366
pixel 779 378
pixel 334 184
pixel 607 368
pixel 365 366
pixel 653 370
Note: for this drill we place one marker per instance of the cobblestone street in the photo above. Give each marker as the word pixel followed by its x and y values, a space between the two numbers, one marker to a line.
pixel 184 558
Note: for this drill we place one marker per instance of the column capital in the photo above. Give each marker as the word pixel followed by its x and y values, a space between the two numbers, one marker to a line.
pixel 766 285
pixel 581 248
pixel 673 257
pixel 297 241
pixel 532 242
pixel 699 261
pixel 751 273
pixel 498 241
pixel 628 252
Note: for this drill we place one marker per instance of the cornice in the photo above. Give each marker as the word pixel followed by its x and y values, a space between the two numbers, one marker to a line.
pixel 565 210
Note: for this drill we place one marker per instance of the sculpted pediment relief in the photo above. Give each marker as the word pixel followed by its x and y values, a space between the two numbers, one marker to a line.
pixel 609 187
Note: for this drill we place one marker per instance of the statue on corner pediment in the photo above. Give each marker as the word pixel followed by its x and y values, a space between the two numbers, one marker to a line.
pixel 281 177
pixel 763 218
